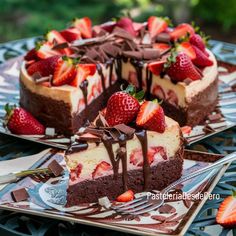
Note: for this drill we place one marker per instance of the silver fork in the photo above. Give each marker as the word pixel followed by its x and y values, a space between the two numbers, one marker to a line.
pixel 145 203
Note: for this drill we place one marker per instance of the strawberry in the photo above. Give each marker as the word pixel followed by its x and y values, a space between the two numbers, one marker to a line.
pixel 226 215
pixel 44 67
pixel 64 73
pixel 181 68
pixel 137 26
pixel 108 26
pixel 121 108
pixel 54 36
pixel 181 31
pixel 156 25
pixel 151 116
pixel 83 70
pixel 31 55
pixel 186 130
pixel 126 196
pixel 201 59
pixel 71 34
pixel 162 47
pixel 197 41
pixel 19 121
pixel 75 173
pixel 156 67
pixel 126 24
pixel 158 91
pixel 45 50
pixel 187 48
pixel 84 25
pixel 100 169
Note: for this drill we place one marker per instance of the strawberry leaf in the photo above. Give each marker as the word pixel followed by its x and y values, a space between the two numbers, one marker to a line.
pixel 139 96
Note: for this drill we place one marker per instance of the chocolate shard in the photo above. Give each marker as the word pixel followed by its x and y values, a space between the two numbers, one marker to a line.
pixel 55 168
pixel 94 131
pixel 77 146
pixel 20 195
pixel 125 129
pixel 188 81
pixel 215 117
pixel 121 33
pixel 101 121
pixel 146 39
pixel 36 76
pixel 60 46
pixel 113 133
pixel 163 38
pixel 133 54
pixel 43 79
pixel 149 54
pixel 166 209
pixel 110 49
pixel 90 138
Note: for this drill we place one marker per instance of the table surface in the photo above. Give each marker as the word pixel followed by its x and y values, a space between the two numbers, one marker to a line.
pixel 12 223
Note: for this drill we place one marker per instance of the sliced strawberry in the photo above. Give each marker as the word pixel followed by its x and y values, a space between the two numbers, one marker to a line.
pixel 172 98
pixel 162 47
pixel 84 25
pixel 126 196
pixel 126 24
pixel 156 67
pixel 159 150
pixel 45 50
pixel 44 67
pixel 181 31
pixel 64 73
pixel 54 36
pixel 75 173
pixel 158 91
pixel 108 26
pixel 101 169
pixel 201 59
pixel 31 55
pixel 186 130
pixel 226 216
pixel 181 68
pixel 83 71
pixel 156 25
pixel 151 116
pixel 187 48
pixel 136 157
pixel 71 34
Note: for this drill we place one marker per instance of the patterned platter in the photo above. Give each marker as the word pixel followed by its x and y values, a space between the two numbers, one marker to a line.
pixel 48 197
pixel 222 118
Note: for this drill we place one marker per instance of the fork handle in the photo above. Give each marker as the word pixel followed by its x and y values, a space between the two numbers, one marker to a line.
pixel 216 164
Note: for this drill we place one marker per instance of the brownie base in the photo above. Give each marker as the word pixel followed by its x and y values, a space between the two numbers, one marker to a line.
pixel 57 114
pixel 161 175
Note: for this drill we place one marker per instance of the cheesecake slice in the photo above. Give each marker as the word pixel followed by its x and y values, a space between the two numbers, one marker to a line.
pixel 107 161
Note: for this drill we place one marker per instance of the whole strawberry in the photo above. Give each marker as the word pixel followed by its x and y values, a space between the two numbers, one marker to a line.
pixel 201 59
pixel 197 41
pixel 122 107
pixel 19 121
pixel 181 68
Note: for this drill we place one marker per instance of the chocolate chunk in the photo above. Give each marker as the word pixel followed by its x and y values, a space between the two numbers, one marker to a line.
pixel 165 209
pixel 90 138
pixel 20 195
pixel 149 54
pixel 119 32
pixel 60 46
pixel 133 54
pixel 55 168
pixel 113 133
pixel 146 39
pixel 36 76
pixel 125 129
pixel 163 38
pixel 101 121
pixel 94 131
pixel 43 79
pixel 110 49
pixel 188 81
pixel 214 117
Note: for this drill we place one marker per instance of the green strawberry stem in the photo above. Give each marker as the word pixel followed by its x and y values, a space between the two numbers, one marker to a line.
pixel 132 91
pixel 234 193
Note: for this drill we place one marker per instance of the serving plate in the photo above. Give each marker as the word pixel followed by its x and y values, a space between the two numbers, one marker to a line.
pixel 48 197
pixel 222 118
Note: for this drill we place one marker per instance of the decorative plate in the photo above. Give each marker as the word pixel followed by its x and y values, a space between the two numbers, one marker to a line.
pixel 48 197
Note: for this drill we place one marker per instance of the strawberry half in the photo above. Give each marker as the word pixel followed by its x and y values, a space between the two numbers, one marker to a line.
pixel 201 59
pixel 187 48
pixel 181 31
pixel 100 169
pixel 84 25
pixel 156 25
pixel 197 41
pixel 126 24
pixel 156 67
pixel 121 108
pixel 151 116
pixel 181 68
pixel 126 196
pixel 64 73
pixel 19 121
pixel 71 34
pixel 45 50
pixel 226 216
pixel 31 55
pixel 54 36
pixel 162 47
pixel 44 67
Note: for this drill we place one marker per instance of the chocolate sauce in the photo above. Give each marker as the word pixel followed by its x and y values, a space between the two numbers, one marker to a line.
pixel 84 88
pixel 99 69
pixel 138 65
pixel 110 73
pixel 148 82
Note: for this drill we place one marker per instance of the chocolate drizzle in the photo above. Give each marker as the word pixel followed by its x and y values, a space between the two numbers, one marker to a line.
pixel 138 65
pixel 84 88
pixel 99 69
pixel 148 82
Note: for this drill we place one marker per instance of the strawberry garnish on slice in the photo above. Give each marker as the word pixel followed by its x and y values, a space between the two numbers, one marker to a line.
pixel 71 34
pixel 151 116
pixel 75 173
pixel 84 25
pixel 201 59
pixel 65 72
pixel 19 121
pixel 156 67
pixel 31 55
pixel 226 215
pixel 83 71
pixel 180 67
pixel 156 25
pixel 44 67
pixel 187 48
pixel 181 31
pixel 126 196
pixel 45 50
pixel 198 41
pixel 162 47
pixel 101 169
pixel 126 24
pixel 123 106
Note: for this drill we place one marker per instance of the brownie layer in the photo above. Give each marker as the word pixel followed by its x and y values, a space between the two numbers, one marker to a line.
pixel 57 114
pixel 200 106
pixel 161 176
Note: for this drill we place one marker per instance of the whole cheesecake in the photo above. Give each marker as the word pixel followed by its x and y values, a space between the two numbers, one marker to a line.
pixel 70 75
